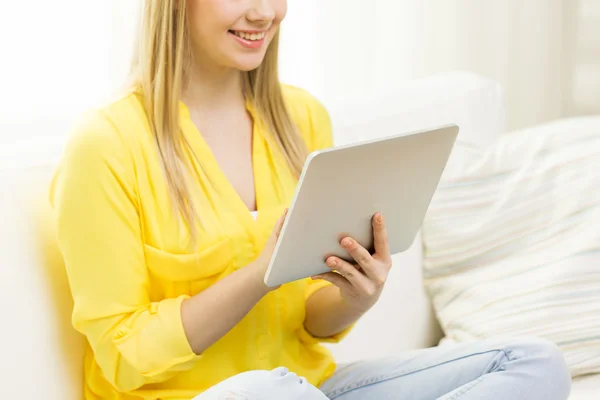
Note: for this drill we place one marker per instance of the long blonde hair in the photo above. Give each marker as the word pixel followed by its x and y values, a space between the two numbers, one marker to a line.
pixel 159 69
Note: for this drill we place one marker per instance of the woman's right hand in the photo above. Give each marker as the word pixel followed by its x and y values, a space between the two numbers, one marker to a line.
pixel 210 314
pixel 261 264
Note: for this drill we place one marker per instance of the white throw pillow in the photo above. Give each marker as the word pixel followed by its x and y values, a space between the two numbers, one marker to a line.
pixel 512 240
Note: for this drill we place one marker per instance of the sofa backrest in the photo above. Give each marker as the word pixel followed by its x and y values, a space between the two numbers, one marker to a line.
pixel 42 354
pixel 403 318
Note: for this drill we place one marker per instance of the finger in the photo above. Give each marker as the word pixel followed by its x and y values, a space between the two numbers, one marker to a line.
pixel 279 224
pixel 382 247
pixel 348 271
pixel 336 279
pixel 360 255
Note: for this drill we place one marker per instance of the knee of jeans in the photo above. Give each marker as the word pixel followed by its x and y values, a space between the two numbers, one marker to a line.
pixel 547 362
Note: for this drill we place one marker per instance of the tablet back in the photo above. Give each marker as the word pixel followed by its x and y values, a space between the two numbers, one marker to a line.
pixel 342 188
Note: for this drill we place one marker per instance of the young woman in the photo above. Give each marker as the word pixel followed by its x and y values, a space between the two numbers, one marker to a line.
pixel 154 201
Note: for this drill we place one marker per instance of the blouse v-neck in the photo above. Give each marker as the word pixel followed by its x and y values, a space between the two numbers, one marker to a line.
pixel 266 191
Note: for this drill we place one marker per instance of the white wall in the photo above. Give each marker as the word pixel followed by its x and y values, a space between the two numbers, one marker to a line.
pixel 56 61
pixel 61 56
pixel 55 56
pixel 355 47
pixel 585 95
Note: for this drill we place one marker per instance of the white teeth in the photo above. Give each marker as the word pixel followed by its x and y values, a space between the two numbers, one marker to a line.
pixel 250 36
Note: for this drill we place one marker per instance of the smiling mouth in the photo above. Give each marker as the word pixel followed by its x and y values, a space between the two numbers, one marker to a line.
pixel 250 36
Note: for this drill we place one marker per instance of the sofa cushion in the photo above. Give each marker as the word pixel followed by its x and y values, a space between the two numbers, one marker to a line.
pixel 512 240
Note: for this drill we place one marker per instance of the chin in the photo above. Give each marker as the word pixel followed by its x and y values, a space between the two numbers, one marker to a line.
pixel 246 64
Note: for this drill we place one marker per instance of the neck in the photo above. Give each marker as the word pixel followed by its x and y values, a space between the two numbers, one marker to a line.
pixel 213 88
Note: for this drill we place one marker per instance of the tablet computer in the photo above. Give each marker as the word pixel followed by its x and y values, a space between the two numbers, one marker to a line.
pixel 340 190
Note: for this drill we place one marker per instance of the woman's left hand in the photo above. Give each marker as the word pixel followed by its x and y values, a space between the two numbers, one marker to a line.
pixel 361 284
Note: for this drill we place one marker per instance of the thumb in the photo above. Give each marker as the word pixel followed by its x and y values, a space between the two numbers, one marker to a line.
pixel 269 248
pixel 277 228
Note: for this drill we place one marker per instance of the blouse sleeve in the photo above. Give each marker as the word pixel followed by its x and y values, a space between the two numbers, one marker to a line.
pixel 135 341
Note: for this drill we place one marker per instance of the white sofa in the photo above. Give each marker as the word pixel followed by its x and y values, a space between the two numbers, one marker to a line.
pixel 42 354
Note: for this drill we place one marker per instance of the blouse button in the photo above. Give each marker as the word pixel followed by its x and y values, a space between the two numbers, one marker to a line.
pixel 120 333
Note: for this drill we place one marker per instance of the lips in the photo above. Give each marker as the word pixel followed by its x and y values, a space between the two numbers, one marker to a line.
pixel 253 40
pixel 252 36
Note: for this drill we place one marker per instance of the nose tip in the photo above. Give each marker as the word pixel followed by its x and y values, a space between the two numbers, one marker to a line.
pixel 262 11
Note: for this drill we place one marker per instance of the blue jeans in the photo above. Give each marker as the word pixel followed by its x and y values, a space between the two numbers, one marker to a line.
pixel 527 369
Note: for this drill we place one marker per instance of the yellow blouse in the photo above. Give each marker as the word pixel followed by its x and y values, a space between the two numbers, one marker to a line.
pixel 129 266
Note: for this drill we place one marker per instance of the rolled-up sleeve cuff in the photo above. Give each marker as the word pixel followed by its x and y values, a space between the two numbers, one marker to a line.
pixel 306 337
pixel 154 340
